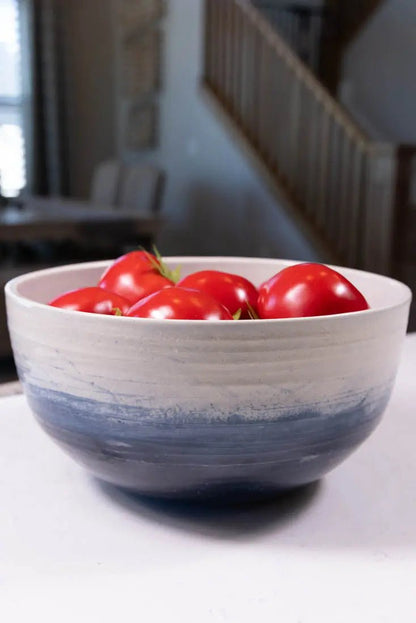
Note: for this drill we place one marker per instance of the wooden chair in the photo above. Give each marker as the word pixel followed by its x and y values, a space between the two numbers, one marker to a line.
pixel 141 188
pixel 138 187
pixel 105 183
pixel 134 187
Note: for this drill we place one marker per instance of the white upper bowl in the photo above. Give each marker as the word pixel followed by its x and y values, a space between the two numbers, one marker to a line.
pixel 182 408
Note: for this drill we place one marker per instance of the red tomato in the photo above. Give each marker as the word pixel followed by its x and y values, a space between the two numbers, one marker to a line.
pixel 232 291
pixel 94 300
pixel 180 304
pixel 135 276
pixel 308 290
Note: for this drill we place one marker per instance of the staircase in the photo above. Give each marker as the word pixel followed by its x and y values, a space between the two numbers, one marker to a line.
pixel 347 19
pixel 350 16
pixel 353 194
pixel 319 34
pixel 303 27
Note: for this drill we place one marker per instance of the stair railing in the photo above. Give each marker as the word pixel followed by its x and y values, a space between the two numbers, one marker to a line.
pixel 337 177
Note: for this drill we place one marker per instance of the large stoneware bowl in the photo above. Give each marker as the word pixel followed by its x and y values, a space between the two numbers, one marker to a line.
pixel 206 409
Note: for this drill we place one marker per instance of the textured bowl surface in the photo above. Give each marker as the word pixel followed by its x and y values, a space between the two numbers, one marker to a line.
pixel 206 409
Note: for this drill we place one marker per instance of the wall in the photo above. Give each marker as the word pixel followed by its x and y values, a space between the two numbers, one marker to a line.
pixel 379 72
pixel 215 203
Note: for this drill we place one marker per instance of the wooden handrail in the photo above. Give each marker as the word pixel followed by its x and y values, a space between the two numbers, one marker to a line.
pixel 336 176
pixel 304 74
pixel 301 25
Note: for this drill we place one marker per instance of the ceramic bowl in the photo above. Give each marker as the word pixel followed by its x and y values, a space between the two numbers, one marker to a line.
pixel 196 409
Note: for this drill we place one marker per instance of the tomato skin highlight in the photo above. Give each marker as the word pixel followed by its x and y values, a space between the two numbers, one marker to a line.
pixel 308 290
pixel 232 291
pixel 94 300
pixel 177 303
pixel 134 276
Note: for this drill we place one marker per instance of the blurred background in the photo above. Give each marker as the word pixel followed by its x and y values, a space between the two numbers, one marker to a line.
pixel 221 127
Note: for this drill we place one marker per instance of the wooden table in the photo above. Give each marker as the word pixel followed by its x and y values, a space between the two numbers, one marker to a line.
pixel 55 219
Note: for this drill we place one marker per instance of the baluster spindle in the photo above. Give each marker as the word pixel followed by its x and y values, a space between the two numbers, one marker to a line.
pixel 352 230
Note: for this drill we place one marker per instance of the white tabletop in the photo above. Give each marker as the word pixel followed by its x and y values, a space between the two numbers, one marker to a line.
pixel 74 550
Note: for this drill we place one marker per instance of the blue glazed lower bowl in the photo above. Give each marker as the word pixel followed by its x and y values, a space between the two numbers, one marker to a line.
pixel 206 410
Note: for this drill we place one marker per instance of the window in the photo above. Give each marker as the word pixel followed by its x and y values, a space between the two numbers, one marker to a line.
pixel 12 143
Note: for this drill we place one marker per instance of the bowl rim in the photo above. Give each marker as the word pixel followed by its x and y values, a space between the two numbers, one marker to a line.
pixel 11 291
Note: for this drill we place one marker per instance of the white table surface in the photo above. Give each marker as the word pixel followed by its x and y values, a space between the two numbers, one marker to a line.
pixel 74 550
